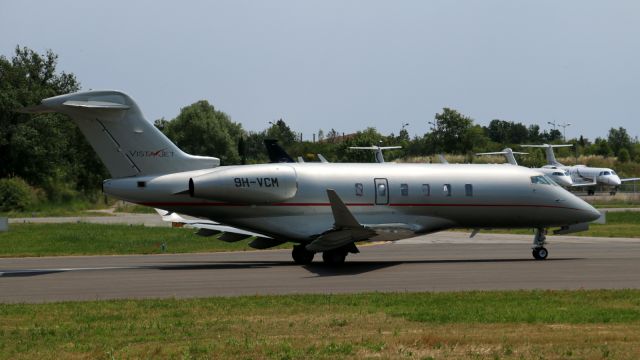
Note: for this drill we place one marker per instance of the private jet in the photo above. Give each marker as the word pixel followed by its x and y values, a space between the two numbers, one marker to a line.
pixel 582 175
pixel 325 208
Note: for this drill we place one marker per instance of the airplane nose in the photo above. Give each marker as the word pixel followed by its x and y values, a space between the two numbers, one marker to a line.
pixel 588 212
pixel 615 180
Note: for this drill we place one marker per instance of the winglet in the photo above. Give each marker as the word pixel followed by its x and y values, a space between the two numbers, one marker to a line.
pixel 343 218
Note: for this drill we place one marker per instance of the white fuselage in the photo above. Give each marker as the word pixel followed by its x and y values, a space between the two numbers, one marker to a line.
pixel 424 198
pixel 601 176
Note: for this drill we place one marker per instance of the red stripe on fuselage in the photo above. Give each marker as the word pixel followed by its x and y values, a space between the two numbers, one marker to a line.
pixel 160 204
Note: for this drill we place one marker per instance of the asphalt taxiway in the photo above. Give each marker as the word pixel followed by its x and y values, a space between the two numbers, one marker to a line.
pixel 439 262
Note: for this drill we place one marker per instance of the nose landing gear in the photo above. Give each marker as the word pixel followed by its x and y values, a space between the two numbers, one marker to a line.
pixel 539 252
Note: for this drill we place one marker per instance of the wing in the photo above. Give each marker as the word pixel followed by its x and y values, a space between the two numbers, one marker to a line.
pixel 347 230
pixel 630 179
pixel 229 233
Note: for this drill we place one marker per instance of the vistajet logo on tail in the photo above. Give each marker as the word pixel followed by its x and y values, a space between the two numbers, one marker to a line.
pixel 162 153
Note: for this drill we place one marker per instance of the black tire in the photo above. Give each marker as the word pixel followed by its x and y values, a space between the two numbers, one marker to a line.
pixel 334 257
pixel 540 253
pixel 301 255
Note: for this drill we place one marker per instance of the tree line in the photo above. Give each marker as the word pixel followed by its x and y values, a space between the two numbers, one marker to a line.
pixel 48 156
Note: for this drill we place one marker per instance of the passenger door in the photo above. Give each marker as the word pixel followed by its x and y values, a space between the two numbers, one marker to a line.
pixel 382 191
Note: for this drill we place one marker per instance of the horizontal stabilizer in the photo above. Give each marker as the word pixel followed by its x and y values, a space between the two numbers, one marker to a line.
pixel 374 147
pixel 547 145
pixel 101 105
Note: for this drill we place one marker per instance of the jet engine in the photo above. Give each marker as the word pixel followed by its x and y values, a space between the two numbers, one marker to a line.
pixel 243 184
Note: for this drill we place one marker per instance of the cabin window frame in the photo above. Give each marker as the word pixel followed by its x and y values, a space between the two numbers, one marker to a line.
pixel 404 189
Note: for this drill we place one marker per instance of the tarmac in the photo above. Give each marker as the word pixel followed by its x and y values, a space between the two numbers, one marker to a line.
pixel 447 261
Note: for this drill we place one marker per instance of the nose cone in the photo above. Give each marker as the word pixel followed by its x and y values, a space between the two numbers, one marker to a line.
pixel 586 212
pixel 564 181
pixel 614 180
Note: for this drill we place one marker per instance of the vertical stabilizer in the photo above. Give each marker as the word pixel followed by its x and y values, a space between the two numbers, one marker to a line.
pixel 548 149
pixel 125 141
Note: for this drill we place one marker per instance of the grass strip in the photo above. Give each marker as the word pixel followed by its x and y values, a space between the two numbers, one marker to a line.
pixel 466 325
pixel 101 239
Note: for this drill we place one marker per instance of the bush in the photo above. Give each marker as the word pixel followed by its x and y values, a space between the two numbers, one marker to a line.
pixel 16 194
pixel 623 156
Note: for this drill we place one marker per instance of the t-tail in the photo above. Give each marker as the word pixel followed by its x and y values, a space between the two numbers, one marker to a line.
pixel 548 148
pixel 125 141
pixel 508 154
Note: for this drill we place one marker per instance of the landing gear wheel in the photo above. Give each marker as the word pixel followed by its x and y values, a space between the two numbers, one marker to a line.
pixel 334 257
pixel 301 255
pixel 540 253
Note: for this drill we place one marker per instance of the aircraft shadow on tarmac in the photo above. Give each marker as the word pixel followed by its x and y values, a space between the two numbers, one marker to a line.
pixel 348 268
pixel 319 269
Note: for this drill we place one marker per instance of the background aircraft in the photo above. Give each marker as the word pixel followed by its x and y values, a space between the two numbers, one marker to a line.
pixel 377 149
pixel 582 175
pixel 561 177
pixel 323 208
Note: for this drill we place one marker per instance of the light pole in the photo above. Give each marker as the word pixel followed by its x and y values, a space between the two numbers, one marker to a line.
pixel 563 126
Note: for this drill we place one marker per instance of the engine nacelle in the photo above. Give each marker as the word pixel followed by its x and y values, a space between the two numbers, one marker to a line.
pixel 256 184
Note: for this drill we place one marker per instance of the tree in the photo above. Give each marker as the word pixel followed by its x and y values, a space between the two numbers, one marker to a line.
pixel 200 129
pixel 282 132
pixel 619 139
pixel 453 132
pixel 623 155
pixel 46 150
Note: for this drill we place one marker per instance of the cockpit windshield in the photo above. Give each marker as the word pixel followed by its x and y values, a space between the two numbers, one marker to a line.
pixel 543 179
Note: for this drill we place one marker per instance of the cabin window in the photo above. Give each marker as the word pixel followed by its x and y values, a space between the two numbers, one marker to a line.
pixel 359 189
pixel 446 189
pixel 382 190
pixel 142 184
pixel 468 190
pixel 426 190
pixel 542 179
pixel 404 189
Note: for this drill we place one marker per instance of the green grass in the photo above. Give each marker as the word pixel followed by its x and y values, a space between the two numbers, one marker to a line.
pixel 468 325
pixel 98 239
pixel 70 208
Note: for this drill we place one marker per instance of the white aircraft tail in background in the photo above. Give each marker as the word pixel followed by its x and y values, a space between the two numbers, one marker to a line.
pixel 548 149
pixel 377 149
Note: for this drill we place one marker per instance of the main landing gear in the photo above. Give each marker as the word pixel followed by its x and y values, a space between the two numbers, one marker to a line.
pixel 302 256
pixel 539 252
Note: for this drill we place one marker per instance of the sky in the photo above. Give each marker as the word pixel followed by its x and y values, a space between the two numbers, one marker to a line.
pixel 348 65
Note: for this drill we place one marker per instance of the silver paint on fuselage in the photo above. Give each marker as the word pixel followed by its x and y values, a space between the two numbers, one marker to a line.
pixel 498 197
